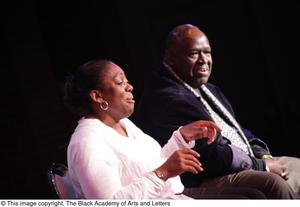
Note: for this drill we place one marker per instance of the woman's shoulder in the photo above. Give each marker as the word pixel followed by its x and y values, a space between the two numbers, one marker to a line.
pixel 88 132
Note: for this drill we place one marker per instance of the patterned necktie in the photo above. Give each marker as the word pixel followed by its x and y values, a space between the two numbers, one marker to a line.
pixel 227 131
pixel 240 140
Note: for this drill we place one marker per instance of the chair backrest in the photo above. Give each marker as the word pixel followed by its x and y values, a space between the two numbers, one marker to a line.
pixel 59 181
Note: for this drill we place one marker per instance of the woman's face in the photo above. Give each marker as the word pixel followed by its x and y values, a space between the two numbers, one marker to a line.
pixel 117 92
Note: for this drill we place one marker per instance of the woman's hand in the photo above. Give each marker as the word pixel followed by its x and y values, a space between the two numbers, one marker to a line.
pixel 199 130
pixel 183 160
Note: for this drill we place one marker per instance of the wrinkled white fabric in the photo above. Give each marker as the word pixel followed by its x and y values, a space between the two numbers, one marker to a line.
pixel 106 165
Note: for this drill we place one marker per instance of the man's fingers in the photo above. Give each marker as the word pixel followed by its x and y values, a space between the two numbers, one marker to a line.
pixel 285 174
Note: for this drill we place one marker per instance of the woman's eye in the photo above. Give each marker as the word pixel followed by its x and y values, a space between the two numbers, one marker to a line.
pixel 120 82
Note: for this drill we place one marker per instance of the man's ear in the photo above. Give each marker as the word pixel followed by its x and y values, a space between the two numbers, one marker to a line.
pixel 95 96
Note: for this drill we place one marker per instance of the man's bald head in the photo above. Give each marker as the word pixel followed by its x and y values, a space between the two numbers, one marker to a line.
pixel 180 33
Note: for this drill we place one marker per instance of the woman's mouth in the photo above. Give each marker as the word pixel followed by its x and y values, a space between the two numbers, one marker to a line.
pixel 130 100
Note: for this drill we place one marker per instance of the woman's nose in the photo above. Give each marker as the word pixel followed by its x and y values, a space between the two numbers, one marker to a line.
pixel 129 87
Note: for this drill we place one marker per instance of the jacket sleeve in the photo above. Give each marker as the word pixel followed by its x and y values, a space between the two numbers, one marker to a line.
pixel 259 147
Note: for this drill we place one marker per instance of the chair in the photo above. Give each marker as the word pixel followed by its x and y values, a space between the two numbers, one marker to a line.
pixel 59 180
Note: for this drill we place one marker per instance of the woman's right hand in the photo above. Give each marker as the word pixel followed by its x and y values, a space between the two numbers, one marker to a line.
pixel 183 160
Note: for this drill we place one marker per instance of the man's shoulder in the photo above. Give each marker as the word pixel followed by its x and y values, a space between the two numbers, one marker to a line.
pixel 160 83
pixel 212 86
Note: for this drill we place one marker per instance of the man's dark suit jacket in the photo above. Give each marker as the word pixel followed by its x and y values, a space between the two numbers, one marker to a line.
pixel 166 105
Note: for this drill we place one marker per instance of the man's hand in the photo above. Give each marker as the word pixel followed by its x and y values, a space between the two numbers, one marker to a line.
pixel 199 130
pixel 277 168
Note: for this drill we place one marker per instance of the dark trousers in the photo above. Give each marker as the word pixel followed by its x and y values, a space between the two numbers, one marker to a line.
pixel 270 184
pixel 223 193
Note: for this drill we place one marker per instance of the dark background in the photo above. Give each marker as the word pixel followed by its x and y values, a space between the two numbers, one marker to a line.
pixel 255 52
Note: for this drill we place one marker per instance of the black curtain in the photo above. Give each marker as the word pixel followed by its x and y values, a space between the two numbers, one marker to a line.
pixel 254 47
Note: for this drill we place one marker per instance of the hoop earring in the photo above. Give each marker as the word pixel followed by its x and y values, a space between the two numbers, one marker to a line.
pixel 104 105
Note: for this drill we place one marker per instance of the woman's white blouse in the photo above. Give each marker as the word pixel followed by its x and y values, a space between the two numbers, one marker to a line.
pixel 106 165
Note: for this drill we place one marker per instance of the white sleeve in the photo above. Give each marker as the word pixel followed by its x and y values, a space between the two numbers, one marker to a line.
pixel 176 142
pixel 100 176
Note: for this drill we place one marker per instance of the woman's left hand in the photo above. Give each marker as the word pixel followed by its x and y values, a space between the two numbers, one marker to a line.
pixel 200 130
